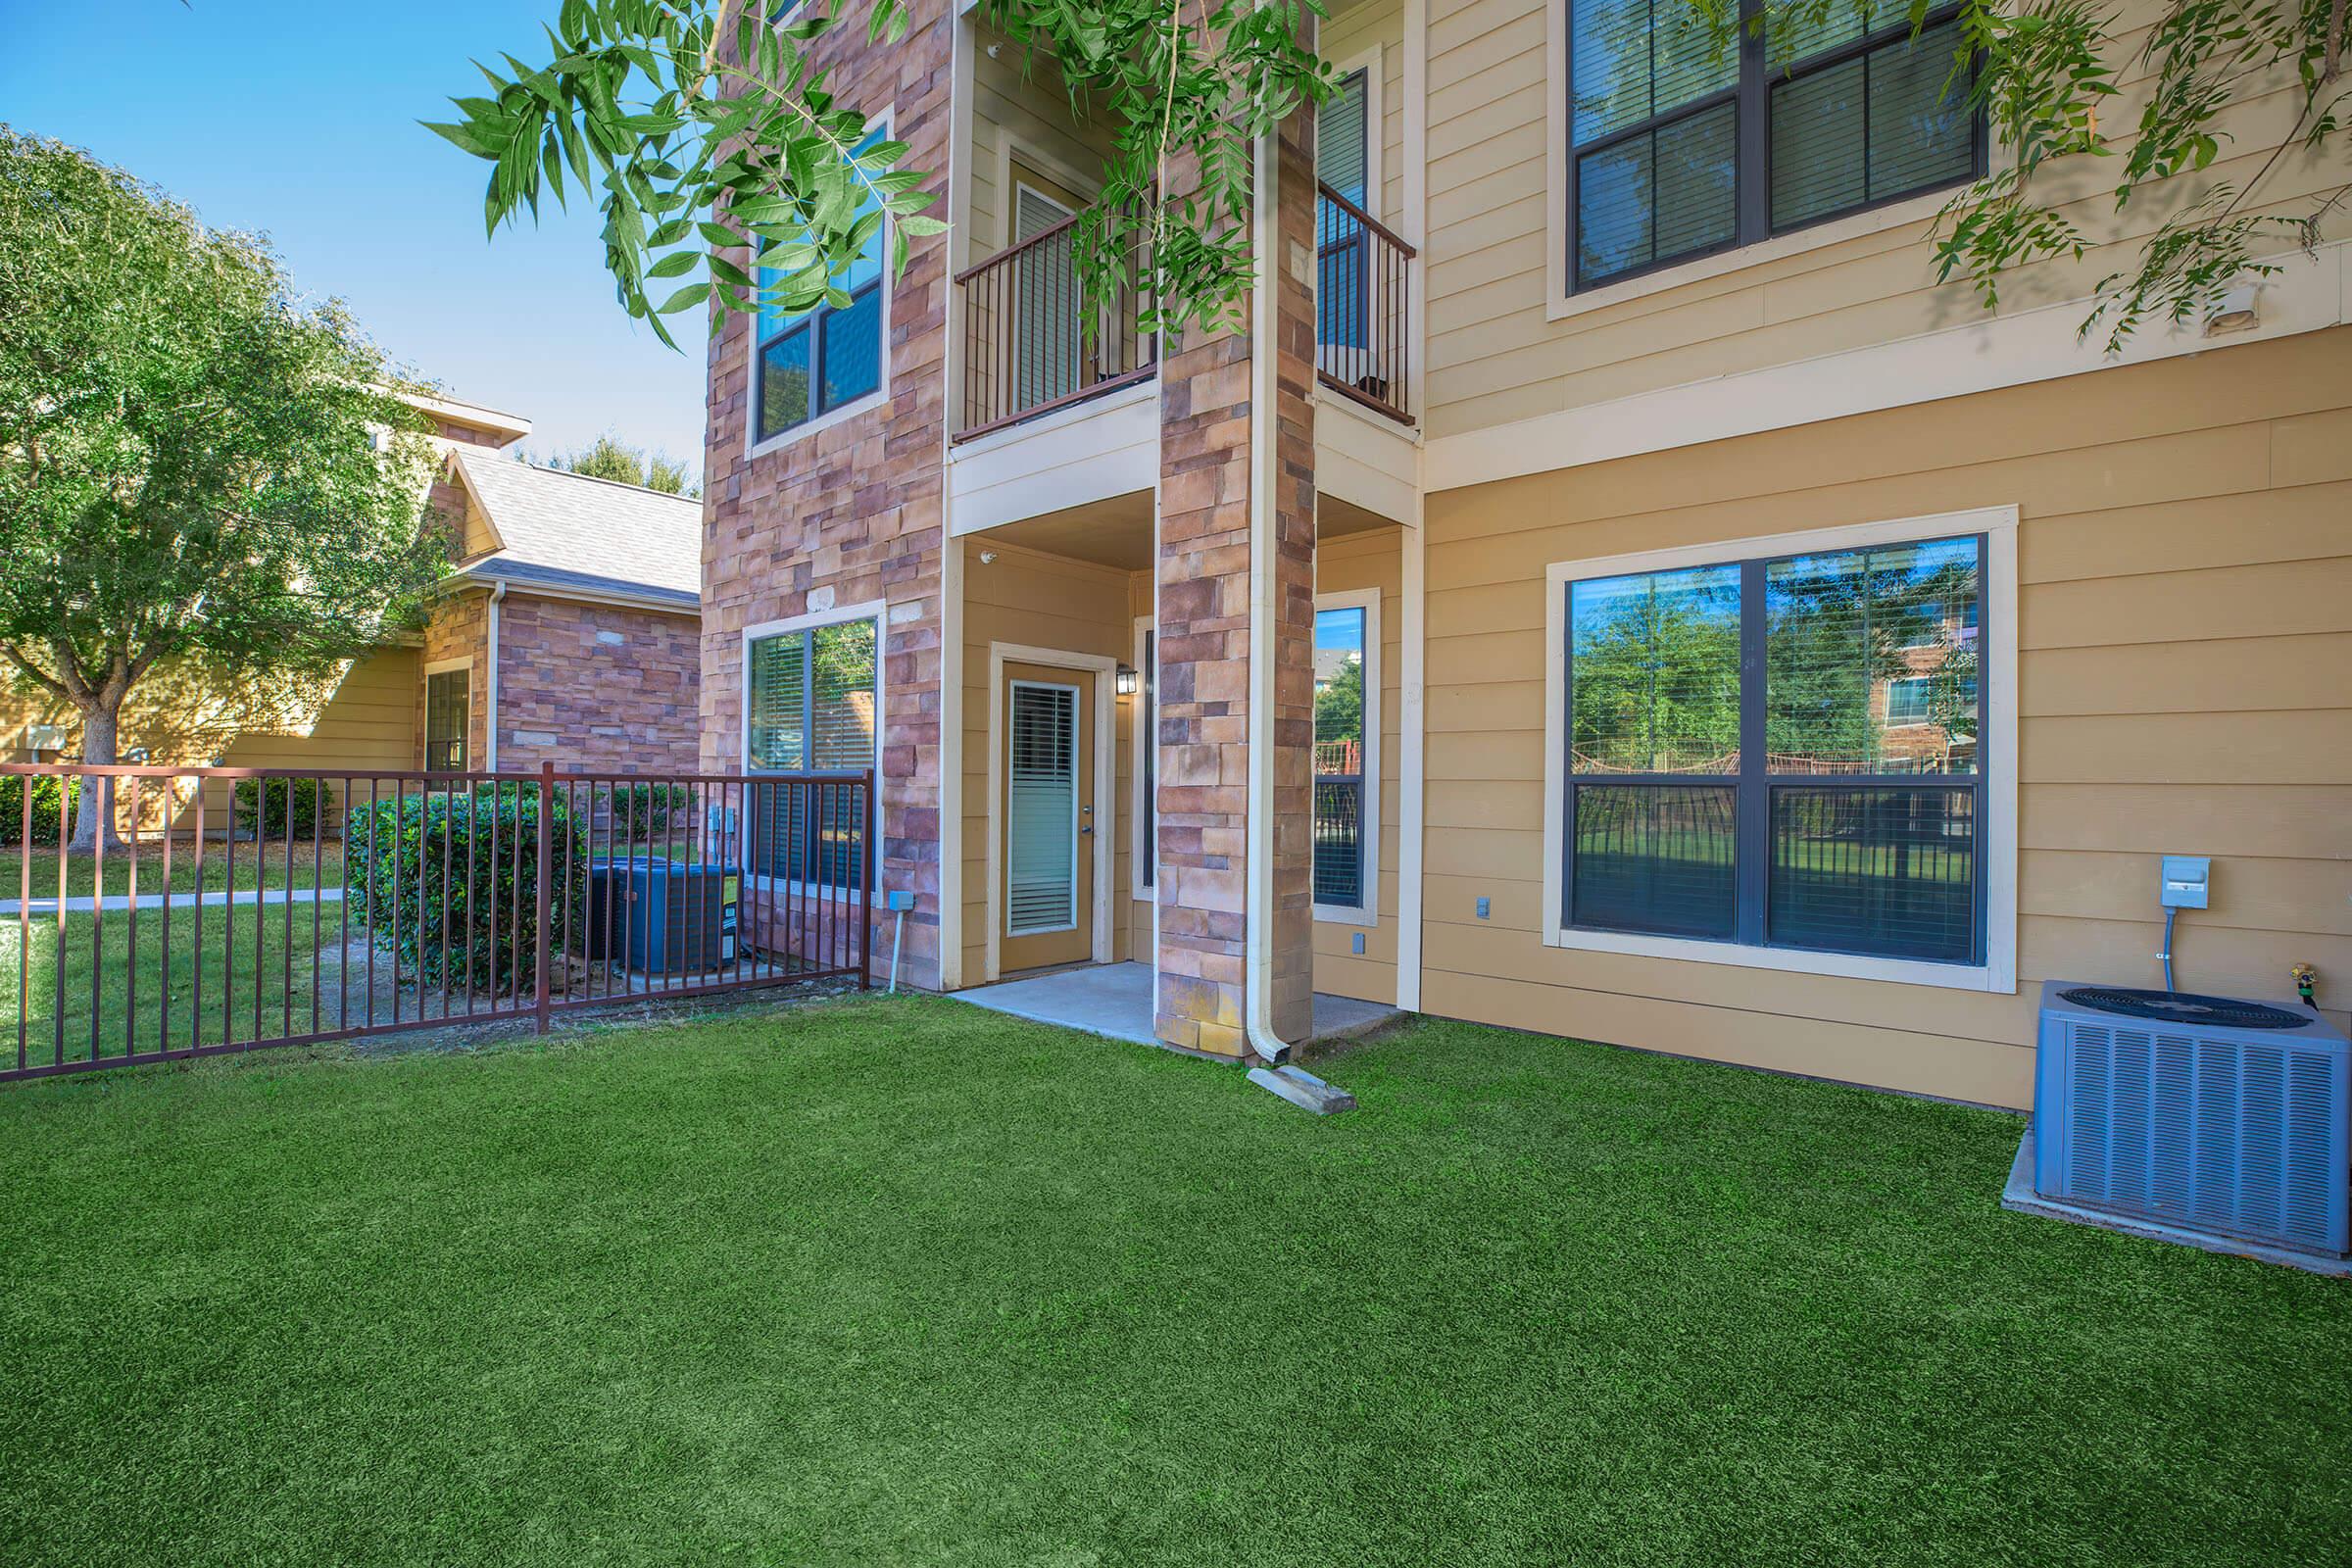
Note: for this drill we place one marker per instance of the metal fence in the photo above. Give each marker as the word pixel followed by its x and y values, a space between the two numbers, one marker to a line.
pixel 230 908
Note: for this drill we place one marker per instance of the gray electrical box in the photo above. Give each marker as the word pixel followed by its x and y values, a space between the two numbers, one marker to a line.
pixel 2187 881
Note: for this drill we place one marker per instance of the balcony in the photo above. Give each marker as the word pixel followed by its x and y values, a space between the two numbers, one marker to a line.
pixel 1029 345
pixel 1364 320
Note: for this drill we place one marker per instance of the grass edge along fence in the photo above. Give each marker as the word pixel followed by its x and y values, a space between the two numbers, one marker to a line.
pixel 210 932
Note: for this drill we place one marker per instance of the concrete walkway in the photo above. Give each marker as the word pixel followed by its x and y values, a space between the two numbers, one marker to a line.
pixel 1114 999
pixel 83 904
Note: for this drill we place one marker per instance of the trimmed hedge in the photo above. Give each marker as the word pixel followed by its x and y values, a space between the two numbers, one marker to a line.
pixel 641 810
pixel 47 792
pixel 306 797
pixel 412 838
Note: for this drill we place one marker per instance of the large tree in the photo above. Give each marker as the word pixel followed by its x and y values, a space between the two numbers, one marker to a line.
pixel 611 458
pixel 193 468
pixel 704 134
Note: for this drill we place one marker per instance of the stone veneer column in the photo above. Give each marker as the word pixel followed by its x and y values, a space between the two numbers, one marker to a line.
pixel 1205 689
pixel 852 513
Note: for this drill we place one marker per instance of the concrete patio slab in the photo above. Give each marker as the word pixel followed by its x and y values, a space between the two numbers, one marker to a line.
pixel 1114 1000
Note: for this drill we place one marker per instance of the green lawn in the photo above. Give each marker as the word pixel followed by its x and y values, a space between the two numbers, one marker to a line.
pixel 904 1281
pixel 228 957
pixel 83 869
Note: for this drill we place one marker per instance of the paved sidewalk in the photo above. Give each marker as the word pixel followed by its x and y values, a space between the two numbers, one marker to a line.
pixel 83 904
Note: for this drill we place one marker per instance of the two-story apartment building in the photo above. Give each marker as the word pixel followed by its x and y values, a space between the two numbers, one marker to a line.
pixel 1612 589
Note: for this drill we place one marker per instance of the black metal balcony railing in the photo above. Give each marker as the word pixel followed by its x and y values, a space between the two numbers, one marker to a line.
pixel 1029 346
pixel 1363 305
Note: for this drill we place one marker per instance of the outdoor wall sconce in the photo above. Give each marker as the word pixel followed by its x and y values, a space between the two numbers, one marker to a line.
pixel 1126 680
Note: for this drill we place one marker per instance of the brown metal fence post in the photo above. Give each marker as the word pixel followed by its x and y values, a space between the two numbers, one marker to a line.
pixel 539 931
pixel 865 910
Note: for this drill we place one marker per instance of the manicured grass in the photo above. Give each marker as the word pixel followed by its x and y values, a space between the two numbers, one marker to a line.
pixel 82 868
pixel 909 1282
pixel 219 967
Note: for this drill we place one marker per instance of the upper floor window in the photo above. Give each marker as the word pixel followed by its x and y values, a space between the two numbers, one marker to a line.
pixel 821 360
pixel 1681 146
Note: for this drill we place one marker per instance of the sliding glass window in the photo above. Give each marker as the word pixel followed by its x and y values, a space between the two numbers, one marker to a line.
pixel 1781 751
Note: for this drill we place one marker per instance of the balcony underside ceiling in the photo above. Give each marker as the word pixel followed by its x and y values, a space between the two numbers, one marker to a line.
pixel 1115 532
pixel 1336 518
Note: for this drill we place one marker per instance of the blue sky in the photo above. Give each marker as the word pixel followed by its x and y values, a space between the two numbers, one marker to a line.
pixel 299 120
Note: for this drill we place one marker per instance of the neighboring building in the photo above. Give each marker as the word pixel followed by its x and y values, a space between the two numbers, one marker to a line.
pixel 569 631
pixel 571 614
pixel 1767 654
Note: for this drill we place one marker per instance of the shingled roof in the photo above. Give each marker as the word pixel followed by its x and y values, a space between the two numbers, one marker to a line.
pixel 564 531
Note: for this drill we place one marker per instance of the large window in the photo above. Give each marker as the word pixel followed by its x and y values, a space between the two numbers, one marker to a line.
pixel 812 363
pixel 1742 769
pixel 448 697
pixel 1680 146
pixel 1346 767
pixel 812 702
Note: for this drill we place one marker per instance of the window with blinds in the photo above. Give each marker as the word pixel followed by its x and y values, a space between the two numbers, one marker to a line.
pixel 1781 753
pixel 1046 284
pixel 821 360
pixel 812 701
pixel 1683 143
pixel 1344 162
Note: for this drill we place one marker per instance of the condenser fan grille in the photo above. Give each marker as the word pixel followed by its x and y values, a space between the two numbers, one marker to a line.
pixel 2183 1007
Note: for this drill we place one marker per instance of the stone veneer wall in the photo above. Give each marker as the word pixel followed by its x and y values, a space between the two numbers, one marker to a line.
pixel 598 686
pixel 1205 690
pixel 852 512
pixel 459 629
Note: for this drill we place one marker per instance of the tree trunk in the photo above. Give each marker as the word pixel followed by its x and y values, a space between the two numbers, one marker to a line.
pixel 100 728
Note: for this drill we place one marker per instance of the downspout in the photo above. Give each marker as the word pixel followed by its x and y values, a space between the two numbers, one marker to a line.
pixel 498 591
pixel 1257 948
pixel 1294 1084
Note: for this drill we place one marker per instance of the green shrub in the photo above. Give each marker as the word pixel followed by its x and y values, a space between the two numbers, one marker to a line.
pixel 411 838
pixel 641 809
pixel 307 797
pixel 48 791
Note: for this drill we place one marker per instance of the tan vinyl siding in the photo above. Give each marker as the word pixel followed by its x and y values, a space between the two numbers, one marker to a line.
pixel 361 717
pixel 1492 355
pixel 1031 599
pixel 1373 560
pixel 2185 685
pixel 1030 119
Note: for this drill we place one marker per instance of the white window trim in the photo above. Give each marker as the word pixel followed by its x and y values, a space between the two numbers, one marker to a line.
pixel 1367 917
pixel 1369 63
pixel 1047 163
pixel 1999 751
pixel 1559 304
pixel 752 446
pixel 1144 848
pixel 876 611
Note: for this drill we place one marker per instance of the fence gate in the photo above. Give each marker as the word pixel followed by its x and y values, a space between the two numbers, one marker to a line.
pixel 231 908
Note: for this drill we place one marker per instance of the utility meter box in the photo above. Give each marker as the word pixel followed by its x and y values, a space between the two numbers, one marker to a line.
pixel 2187 881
